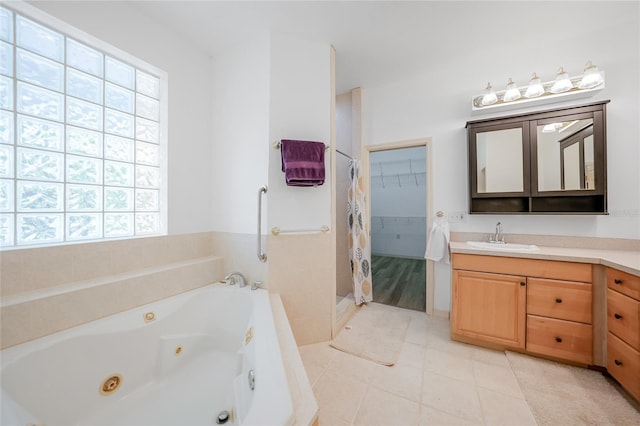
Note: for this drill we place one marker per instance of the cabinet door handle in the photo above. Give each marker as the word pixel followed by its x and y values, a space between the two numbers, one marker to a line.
pixel 617 281
pixel 617 362
pixel 558 300
pixel 522 283
pixel 559 339
pixel 617 316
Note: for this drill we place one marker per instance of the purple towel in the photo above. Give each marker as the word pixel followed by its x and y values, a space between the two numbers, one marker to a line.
pixel 302 162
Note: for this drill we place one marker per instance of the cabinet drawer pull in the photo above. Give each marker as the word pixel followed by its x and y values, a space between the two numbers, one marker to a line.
pixel 617 316
pixel 559 339
pixel 558 300
pixel 522 283
pixel 617 362
pixel 617 281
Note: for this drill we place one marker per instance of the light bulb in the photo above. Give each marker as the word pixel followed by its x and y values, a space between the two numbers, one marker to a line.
pixel 591 77
pixel 562 83
pixel 489 97
pixel 535 88
pixel 512 92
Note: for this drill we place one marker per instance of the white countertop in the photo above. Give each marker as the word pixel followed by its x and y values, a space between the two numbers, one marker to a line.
pixel 627 261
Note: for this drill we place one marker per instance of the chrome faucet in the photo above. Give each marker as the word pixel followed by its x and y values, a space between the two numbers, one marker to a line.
pixel 498 238
pixel 236 277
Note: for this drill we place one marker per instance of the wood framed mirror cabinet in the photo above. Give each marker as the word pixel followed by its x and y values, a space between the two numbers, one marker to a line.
pixel 547 162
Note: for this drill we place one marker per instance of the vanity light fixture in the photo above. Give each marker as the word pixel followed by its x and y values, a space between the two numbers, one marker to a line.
pixel 489 97
pixel 535 87
pixel 562 88
pixel 512 92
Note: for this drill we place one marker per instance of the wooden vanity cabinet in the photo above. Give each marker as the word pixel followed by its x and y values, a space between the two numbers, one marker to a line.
pixel 537 306
pixel 623 329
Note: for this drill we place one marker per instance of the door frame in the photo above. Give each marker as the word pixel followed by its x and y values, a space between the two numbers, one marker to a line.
pixel 366 165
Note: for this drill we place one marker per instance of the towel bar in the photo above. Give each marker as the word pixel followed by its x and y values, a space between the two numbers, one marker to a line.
pixel 276 145
pixel 277 231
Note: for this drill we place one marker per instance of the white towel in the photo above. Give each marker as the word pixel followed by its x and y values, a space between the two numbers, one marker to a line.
pixel 438 243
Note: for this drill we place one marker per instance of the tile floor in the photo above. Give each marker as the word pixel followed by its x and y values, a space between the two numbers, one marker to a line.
pixel 435 382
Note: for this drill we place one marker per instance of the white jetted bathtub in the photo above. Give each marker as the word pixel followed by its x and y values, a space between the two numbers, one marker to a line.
pixel 180 361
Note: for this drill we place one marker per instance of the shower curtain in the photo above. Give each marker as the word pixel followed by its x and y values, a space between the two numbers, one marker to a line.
pixel 358 244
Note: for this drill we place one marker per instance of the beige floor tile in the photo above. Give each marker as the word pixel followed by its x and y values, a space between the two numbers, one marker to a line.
pixel 319 353
pixel 383 408
pixel 339 396
pixel 417 332
pixel 450 365
pixel 325 419
pixel 445 344
pixel 452 396
pixel 314 371
pixel 430 416
pixel 496 378
pixel 500 409
pixel 411 355
pixel 405 382
pixel 490 356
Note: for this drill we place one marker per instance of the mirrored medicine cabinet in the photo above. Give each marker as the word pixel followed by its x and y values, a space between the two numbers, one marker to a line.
pixel 547 162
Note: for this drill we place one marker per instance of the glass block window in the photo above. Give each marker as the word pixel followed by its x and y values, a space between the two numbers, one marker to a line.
pixel 81 142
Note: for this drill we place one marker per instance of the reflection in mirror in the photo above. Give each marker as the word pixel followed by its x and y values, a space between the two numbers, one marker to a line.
pixel 566 156
pixel 498 167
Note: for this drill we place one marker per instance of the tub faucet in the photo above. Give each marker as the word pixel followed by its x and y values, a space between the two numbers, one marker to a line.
pixel 498 238
pixel 236 277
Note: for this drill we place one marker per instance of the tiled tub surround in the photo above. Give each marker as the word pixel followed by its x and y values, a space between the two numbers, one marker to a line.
pixel 48 289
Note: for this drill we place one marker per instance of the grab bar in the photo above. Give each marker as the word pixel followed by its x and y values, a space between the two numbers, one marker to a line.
pixel 261 256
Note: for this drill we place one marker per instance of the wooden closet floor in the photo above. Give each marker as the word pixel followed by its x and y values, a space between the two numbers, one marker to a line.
pixel 399 281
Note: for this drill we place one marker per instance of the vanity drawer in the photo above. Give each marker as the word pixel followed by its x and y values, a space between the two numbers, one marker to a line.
pixel 559 299
pixel 562 339
pixel 623 318
pixel 624 283
pixel 623 363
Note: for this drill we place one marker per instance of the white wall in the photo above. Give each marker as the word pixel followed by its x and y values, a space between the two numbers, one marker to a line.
pixel 438 105
pixel 189 150
pixel 300 108
pixel 241 144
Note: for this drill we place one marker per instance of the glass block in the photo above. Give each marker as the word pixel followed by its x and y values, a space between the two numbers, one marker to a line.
pixel 117 148
pixel 82 141
pixel 146 200
pixel 147 107
pixel 84 170
pixel 40 133
pixel 118 199
pixel 118 123
pixel 118 98
pixel 6 127
pixel 6 58
pixel 6 230
pixel 147 177
pixel 147 223
pixel 6 24
pixel 147 130
pixel 6 92
pixel 118 224
pixel 40 165
pixel 40 102
pixel 119 174
pixel 84 58
pixel 6 161
pixel 84 226
pixel 6 195
pixel 84 86
pixel 38 228
pixel 119 73
pixel 147 84
pixel 39 39
pixel 84 114
pixel 84 198
pixel 40 196
pixel 147 153
pixel 38 70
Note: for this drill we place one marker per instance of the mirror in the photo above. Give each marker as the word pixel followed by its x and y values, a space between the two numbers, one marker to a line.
pixel 496 169
pixel 551 161
pixel 566 156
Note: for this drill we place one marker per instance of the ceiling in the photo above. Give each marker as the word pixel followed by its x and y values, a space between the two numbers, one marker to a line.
pixel 375 41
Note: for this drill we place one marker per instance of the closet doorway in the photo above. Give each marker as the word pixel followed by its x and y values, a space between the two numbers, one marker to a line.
pixel 398 194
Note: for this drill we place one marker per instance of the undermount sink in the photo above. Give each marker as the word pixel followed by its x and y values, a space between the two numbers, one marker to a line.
pixel 503 246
